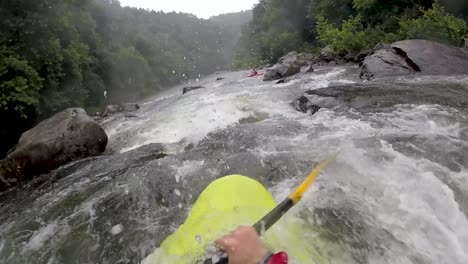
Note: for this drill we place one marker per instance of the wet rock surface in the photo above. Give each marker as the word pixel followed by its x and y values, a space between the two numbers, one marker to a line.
pixel 279 71
pixel 191 88
pixel 67 136
pixel 415 56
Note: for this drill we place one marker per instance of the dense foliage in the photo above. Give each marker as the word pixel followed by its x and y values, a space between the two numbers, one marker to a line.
pixel 347 25
pixel 56 54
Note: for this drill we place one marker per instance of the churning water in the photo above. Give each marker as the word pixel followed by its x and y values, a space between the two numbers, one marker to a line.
pixel 397 193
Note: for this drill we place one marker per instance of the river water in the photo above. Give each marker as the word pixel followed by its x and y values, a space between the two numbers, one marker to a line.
pixel 397 193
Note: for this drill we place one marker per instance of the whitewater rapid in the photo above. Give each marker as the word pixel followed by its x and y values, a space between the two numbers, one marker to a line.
pixel 397 193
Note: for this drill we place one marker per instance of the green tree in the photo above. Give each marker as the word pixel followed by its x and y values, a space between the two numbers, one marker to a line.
pixel 20 83
pixel 435 24
pixel 350 38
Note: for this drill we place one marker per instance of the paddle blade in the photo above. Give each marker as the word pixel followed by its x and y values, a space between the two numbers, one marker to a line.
pixel 296 195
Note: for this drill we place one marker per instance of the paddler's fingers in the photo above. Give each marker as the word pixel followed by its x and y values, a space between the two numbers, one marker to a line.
pixel 243 246
pixel 227 243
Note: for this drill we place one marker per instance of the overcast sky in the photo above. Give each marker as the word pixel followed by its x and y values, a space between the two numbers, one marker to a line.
pixel 201 8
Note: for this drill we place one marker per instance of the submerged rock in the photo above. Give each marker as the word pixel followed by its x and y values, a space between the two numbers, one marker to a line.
pixel 191 88
pixel 67 136
pixel 372 97
pixel 302 104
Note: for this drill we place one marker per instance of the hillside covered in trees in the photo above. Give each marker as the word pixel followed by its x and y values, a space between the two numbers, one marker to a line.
pixel 56 54
pixel 346 25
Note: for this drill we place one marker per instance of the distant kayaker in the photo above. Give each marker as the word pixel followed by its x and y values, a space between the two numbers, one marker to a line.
pixel 244 246
pixel 253 73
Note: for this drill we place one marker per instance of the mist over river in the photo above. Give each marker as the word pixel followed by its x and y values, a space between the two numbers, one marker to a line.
pixel 397 193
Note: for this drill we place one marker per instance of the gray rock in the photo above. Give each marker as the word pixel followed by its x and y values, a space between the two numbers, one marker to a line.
pixel 339 61
pixel 219 79
pixel 332 63
pixel 380 46
pixel 310 69
pixel 432 57
pixel 410 56
pixel 111 109
pixel 362 55
pixel 130 115
pixel 327 54
pixel 191 88
pixel 384 63
pixel 67 136
pixel 295 59
pixel 130 107
pixel 311 58
pixel 279 71
pixel 350 57
pixel 302 104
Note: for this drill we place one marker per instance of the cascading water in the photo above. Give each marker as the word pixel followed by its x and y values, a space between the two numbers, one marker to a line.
pixel 397 193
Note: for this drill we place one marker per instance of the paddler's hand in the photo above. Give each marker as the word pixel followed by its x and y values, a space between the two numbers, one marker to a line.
pixel 243 246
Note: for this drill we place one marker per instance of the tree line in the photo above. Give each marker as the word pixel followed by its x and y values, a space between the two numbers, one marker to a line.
pixel 56 54
pixel 346 25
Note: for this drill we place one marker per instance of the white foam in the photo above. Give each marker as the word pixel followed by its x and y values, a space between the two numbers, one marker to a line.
pixel 40 237
pixel 402 193
pixel 187 167
pixel 117 229
pixel 190 119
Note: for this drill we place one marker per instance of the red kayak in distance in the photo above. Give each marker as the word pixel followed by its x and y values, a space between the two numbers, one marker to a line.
pixel 254 74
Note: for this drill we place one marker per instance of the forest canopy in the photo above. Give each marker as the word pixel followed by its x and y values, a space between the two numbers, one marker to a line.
pixel 56 54
pixel 346 25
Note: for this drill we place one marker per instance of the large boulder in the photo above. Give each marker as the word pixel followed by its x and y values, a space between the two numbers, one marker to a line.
pixel 297 59
pixel 279 71
pixel 191 88
pixel 67 136
pixel 411 56
pixel 384 63
pixel 432 57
